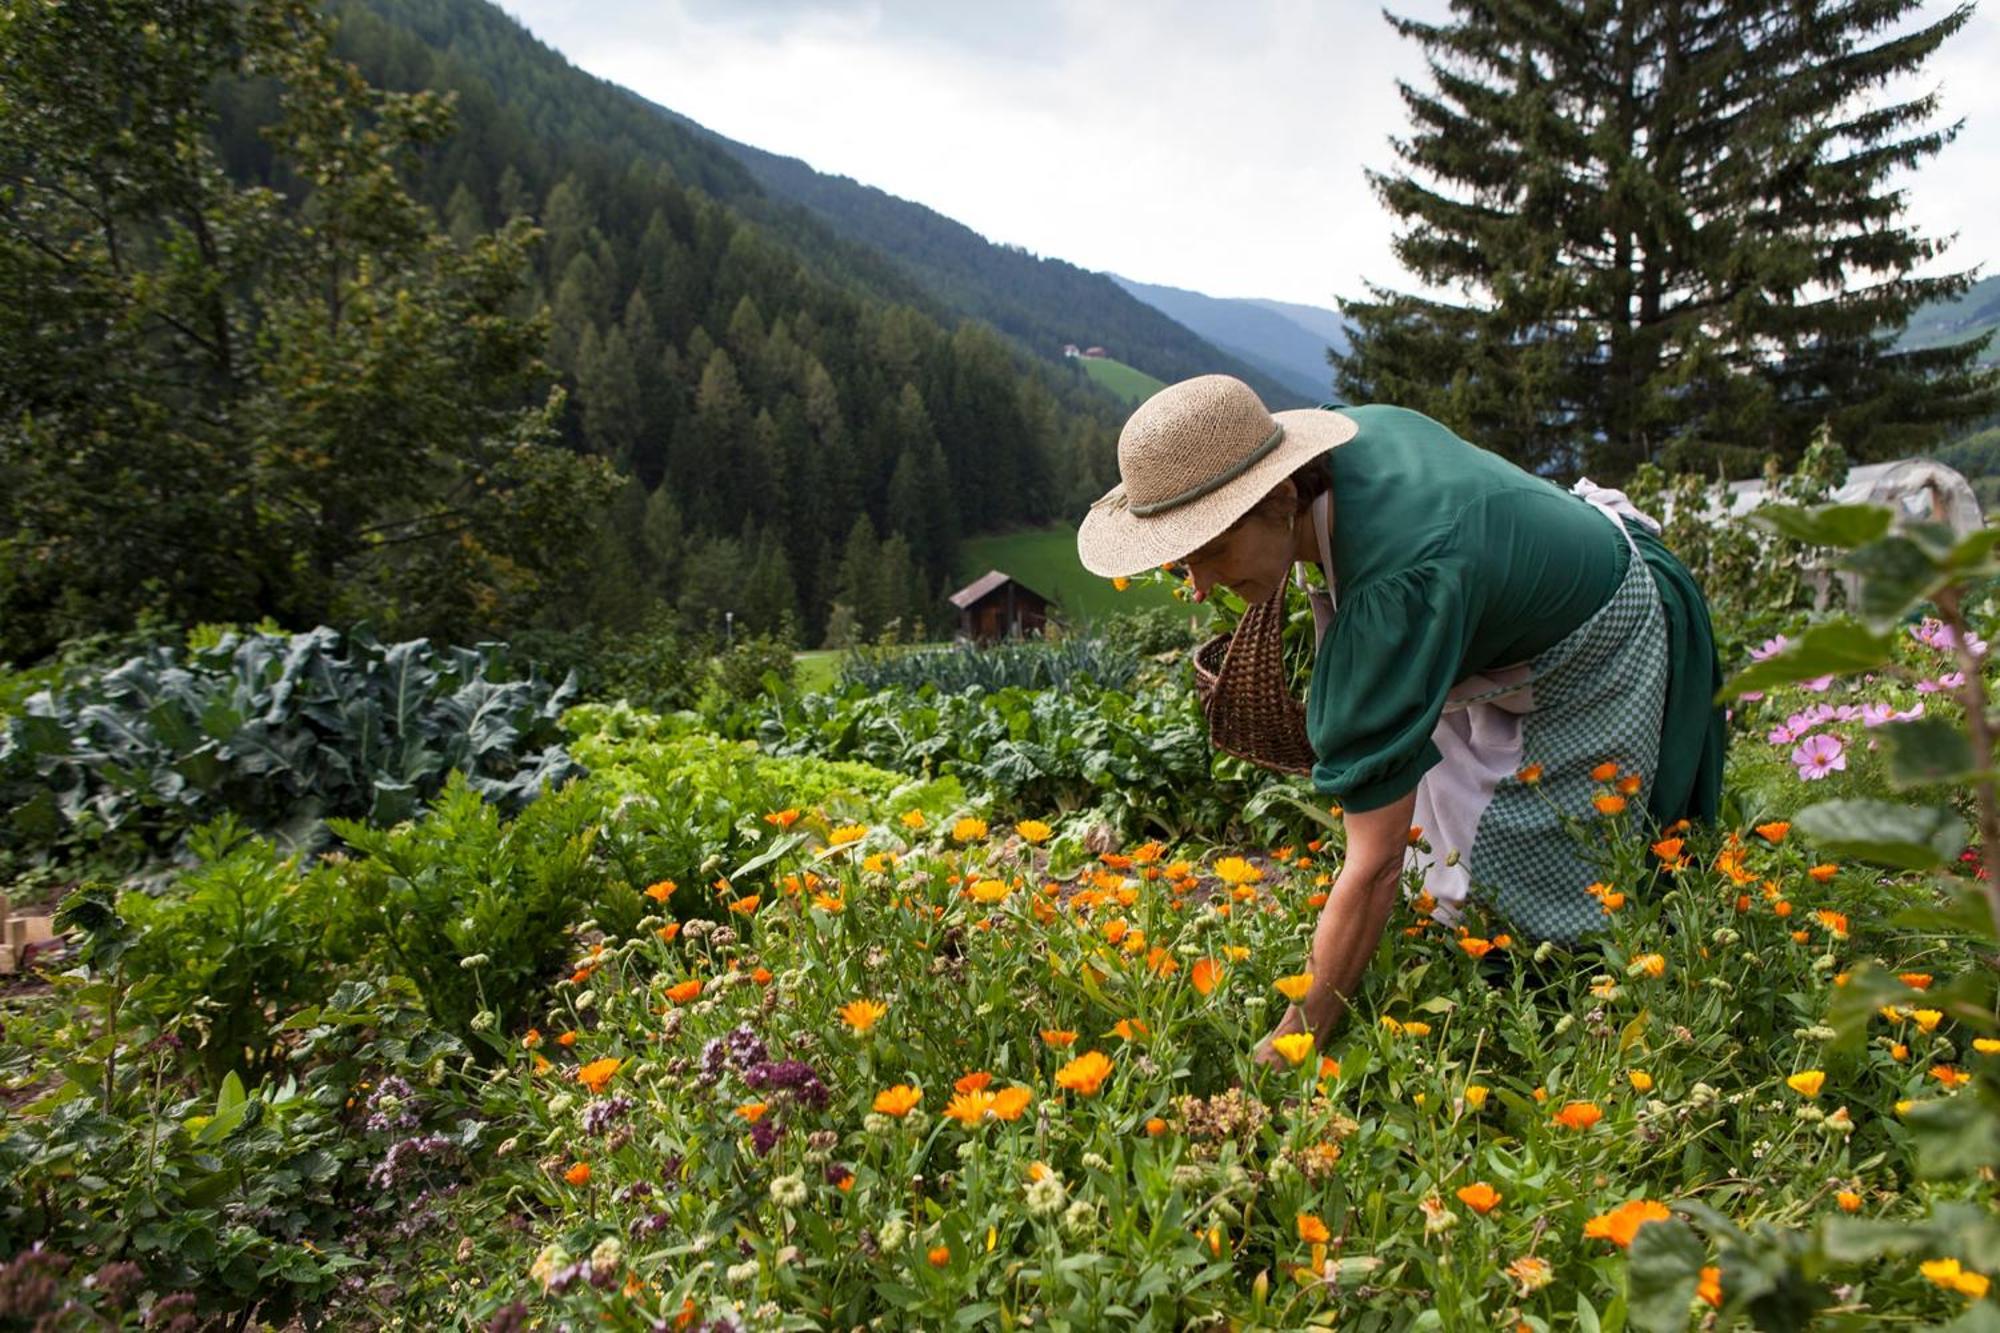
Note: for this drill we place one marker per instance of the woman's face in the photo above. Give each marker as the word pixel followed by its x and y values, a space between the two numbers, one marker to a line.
pixel 1250 559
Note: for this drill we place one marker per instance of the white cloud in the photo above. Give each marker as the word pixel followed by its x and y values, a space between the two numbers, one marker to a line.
pixel 1214 146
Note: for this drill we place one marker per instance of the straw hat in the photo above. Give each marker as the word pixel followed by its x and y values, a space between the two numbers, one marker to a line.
pixel 1193 459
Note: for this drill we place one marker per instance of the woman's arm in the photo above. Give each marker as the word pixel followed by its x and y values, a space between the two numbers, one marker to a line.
pixel 1351 921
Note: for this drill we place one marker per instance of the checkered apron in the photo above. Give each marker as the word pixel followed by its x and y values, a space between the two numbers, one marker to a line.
pixel 1595 696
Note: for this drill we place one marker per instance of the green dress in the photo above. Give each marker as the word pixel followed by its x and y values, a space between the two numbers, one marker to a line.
pixel 1456 575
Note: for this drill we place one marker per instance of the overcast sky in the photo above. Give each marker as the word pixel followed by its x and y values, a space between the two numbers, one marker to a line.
pixel 1217 146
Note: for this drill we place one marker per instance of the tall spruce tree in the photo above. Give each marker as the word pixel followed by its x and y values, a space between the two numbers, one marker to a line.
pixel 1669 234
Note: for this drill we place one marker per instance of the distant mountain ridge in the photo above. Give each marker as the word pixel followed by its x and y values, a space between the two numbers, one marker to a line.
pixel 1042 302
pixel 1945 322
pixel 1285 340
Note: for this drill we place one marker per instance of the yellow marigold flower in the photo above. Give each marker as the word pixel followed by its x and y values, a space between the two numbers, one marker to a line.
pixel 1622 1223
pixel 912 820
pixel 1648 964
pixel 1085 1074
pixel 1295 987
pixel 1475 1095
pixel 1480 1197
pixel 1807 1083
pixel 1578 1115
pixel 968 829
pixel 1034 831
pixel 1294 1046
pixel 847 833
pixel 1312 1230
pixel 1236 953
pixel 1986 1045
pixel 1641 1081
pixel 598 1073
pixel 1927 1019
pixel 826 902
pixel 1236 870
pixel 1848 1200
pixel 1954 1276
pixel 990 891
pixel 898 1101
pixel 1709 1288
pixel 863 1014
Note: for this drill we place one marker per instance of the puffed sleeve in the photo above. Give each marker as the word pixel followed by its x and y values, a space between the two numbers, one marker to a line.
pixel 1379 682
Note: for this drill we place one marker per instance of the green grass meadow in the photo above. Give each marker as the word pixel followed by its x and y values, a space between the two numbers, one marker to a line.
pixel 1045 560
pixel 1133 385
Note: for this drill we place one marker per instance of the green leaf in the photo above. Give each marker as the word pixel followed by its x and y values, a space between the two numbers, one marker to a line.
pixel 1973 551
pixel 1895 574
pixel 1930 750
pixel 1955 1136
pixel 1854 1240
pixel 1905 837
pixel 1844 526
pixel 1837 648
pixel 231 1096
pixel 779 847
pixel 1666 1259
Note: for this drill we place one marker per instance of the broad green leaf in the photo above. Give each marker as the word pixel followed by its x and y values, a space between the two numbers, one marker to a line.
pixel 1930 750
pixel 1955 1136
pixel 1844 526
pixel 1895 573
pixel 1973 551
pixel 1854 1240
pixel 1666 1260
pixel 1837 648
pixel 779 847
pixel 231 1095
pixel 1906 837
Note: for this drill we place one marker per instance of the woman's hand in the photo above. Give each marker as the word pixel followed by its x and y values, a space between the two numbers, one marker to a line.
pixel 1266 1053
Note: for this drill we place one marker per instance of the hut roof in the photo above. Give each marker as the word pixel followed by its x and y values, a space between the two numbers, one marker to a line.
pixel 990 581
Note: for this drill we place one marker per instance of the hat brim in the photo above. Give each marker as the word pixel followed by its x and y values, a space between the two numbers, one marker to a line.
pixel 1113 542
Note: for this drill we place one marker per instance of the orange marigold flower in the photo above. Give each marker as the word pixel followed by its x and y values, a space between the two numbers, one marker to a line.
pixel 1416 834
pixel 1950 1076
pixel 1823 873
pixel 1709 1288
pixel 1475 946
pixel 684 991
pixel 938 1255
pixel 1329 1067
pixel 1604 772
pixel 782 818
pixel 1085 1074
pixel 761 975
pixel 542 1066
pixel 533 1039
pixel 1611 902
pixel 1848 1200
pixel 661 891
pixel 1773 832
pixel 1669 849
pixel 597 1073
pixel 1629 786
pixel 1009 1103
pixel 1623 1222
pixel 1648 964
pixel 1783 907
pixel 1607 804
pixel 1480 1197
pixel 1578 1115
pixel 566 1039
pixel 1058 1037
pixel 744 906
pixel 976 1081
pixel 578 1173
pixel 1312 1230
pixel 1131 1029
pixel 753 1111
pixel 1915 980
pixel 1835 922
pixel 969 1108
pixel 669 931
pixel 898 1101
pixel 1294 987
pixel 1530 774
pixel 1155 1127
pixel 1204 974
pixel 863 1014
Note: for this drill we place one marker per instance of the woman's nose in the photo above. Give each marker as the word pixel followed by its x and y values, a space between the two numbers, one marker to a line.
pixel 1203 581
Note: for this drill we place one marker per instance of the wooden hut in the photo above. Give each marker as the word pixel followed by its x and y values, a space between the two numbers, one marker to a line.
pixel 998 606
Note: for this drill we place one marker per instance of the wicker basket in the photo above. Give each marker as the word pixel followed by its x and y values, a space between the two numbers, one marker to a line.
pixel 1245 695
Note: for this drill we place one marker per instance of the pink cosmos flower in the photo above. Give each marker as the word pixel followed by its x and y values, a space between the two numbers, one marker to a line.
pixel 1949 681
pixel 1818 684
pixel 1817 756
pixel 1770 648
